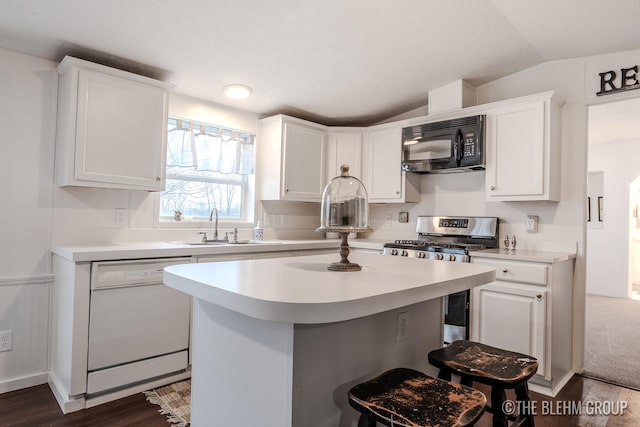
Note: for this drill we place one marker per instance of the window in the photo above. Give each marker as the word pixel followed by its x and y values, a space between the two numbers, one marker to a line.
pixel 207 167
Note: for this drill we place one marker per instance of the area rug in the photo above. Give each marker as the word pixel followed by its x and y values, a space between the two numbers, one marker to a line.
pixel 175 402
pixel 612 340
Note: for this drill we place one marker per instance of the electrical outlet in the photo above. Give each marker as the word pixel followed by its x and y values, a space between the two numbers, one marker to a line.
pixel 387 219
pixel 532 223
pixel 403 326
pixel 121 216
pixel 6 341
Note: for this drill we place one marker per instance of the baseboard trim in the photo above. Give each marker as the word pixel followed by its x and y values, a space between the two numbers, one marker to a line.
pixel 563 382
pixel 67 404
pixel 23 382
pixel 545 387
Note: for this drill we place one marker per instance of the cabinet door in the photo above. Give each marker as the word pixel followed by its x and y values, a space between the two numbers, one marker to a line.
pixel 120 132
pixel 304 162
pixel 345 147
pixel 384 176
pixel 511 316
pixel 516 152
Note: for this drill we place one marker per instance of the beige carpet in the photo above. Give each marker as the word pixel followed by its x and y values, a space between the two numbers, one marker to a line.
pixel 612 340
pixel 175 402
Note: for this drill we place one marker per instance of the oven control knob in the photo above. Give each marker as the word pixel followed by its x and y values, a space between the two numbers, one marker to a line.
pixel 394 252
pixel 404 253
pixel 422 255
pixel 452 257
pixel 439 257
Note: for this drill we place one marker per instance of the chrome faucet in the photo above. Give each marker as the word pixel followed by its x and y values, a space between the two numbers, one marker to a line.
pixel 233 233
pixel 215 230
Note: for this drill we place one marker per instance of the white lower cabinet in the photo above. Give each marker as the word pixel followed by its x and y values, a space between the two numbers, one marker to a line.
pixel 528 309
pixel 511 316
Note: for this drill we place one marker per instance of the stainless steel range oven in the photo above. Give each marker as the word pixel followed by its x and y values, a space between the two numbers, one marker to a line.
pixel 449 238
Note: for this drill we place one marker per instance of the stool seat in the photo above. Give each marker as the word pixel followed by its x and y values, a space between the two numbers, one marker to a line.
pixel 498 368
pixel 485 364
pixel 405 397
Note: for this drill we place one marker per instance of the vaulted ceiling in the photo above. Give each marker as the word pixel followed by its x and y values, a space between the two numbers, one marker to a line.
pixel 332 61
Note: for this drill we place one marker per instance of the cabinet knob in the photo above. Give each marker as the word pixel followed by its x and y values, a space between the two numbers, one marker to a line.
pixel 286 191
pixel 398 192
pixel 158 179
pixel 539 296
pixel 492 188
pixel 504 270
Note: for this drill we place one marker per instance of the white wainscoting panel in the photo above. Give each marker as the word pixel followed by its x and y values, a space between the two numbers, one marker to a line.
pixel 24 309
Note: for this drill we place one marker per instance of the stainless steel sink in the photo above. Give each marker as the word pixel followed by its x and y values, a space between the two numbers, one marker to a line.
pixel 200 243
pixel 253 242
pixel 223 243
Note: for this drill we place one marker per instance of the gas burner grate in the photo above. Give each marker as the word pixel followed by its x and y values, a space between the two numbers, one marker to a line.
pixel 434 246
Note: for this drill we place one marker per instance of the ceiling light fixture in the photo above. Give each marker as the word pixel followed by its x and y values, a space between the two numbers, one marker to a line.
pixel 237 91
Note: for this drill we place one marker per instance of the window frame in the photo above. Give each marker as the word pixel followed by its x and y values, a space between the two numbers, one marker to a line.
pixel 248 191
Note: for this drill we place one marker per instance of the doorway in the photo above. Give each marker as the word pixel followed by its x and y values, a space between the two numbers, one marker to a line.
pixel 613 232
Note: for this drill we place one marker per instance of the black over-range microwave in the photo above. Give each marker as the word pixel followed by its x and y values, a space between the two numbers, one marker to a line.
pixel 455 145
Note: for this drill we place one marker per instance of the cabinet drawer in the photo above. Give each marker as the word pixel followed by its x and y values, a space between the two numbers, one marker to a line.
pixel 517 271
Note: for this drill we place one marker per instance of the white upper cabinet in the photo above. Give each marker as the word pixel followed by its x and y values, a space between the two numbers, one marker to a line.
pixel 385 180
pixel 523 150
pixel 112 128
pixel 345 147
pixel 291 159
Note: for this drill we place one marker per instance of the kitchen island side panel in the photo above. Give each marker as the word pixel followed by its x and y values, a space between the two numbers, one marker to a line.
pixel 253 361
pixel 331 358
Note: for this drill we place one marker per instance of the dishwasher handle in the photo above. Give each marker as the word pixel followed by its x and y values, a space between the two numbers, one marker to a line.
pixel 118 274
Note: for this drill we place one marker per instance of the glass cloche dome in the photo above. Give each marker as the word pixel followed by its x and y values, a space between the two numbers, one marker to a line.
pixel 345 209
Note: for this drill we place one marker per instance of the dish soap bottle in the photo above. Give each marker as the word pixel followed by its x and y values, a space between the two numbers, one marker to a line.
pixel 257 232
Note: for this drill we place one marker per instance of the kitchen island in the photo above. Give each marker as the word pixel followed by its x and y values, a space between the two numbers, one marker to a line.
pixel 279 342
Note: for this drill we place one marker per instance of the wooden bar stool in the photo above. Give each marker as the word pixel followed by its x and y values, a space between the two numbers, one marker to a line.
pixel 498 368
pixel 404 397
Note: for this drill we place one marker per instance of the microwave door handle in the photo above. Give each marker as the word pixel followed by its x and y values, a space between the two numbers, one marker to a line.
pixel 458 147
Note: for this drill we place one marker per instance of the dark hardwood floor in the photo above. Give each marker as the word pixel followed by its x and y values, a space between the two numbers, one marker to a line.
pixel 579 389
pixel 36 406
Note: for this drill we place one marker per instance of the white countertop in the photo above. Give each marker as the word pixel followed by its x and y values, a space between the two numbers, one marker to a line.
pixel 302 290
pixel 524 255
pixel 136 250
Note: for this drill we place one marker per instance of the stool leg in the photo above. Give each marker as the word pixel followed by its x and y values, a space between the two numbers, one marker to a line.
pixel 465 380
pixel 498 396
pixel 522 394
pixel 366 421
pixel 444 374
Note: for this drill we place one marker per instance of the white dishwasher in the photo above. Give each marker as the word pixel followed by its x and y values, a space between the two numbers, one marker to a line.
pixel 138 327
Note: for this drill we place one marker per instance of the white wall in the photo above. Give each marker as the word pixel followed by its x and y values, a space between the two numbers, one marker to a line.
pixel 27 108
pixel 608 246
